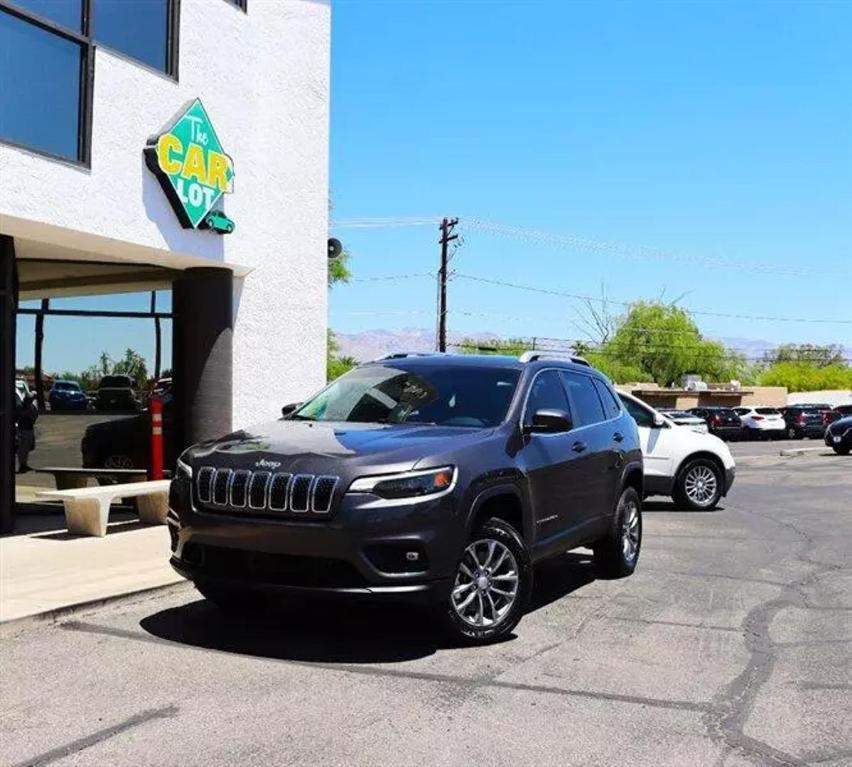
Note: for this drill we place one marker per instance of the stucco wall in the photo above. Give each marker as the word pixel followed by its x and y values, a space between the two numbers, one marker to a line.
pixel 264 79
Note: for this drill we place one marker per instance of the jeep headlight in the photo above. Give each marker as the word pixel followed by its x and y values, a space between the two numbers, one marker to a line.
pixel 410 484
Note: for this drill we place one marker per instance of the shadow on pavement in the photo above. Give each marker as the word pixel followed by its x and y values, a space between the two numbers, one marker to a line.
pixel 672 508
pixel 340 630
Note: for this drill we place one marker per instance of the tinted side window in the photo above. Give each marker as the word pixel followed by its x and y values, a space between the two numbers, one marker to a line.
pixel 611 404
pixel 641 415
pixel 585 404
pixel 546 393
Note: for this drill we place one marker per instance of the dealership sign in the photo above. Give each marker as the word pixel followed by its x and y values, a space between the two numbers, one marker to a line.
pixel 193 169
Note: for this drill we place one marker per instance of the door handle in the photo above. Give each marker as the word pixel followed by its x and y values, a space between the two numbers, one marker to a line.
pixel 579 447
pixel 618 436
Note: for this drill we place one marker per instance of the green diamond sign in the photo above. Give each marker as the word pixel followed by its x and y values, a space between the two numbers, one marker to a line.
pixel 193 169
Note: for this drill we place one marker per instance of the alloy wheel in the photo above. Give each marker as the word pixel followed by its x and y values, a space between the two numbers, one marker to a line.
pixel 486 585
pixel 630 531
pixel 700 485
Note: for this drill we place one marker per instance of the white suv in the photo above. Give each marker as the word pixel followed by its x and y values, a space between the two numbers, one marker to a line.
pixel 694 469
pixel 762 422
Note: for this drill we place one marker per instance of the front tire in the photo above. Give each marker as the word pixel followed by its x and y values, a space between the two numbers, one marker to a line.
pixel 617 553
pixel 698 486
pixel 840 450
pixel 492 585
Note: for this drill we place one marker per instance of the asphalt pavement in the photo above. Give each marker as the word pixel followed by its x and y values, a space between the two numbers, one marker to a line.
pixel 731 645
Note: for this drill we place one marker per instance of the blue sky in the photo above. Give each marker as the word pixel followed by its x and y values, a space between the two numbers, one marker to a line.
pixel 688 133
pixel 708 131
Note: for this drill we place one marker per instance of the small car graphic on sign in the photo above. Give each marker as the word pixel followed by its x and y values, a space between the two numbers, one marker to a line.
pixel 218 222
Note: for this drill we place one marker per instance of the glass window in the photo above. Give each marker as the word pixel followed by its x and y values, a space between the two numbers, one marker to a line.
pixel 610 402
pixel 137 28
pixel 39 88
pixel 585 403
pixel 429 394
pixel 640 413
pixel 766 411
pixel 546 393
pixel 66 13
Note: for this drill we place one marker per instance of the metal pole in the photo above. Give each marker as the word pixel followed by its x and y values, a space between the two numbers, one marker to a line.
pixel 39 343
pixel 442 297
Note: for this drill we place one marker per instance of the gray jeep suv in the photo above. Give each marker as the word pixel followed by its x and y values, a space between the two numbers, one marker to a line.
pixel 434 478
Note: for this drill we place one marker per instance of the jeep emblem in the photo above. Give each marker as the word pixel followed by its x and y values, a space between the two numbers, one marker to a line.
pixel 263 464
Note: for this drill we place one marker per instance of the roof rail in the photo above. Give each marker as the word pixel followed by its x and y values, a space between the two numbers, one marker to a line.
pixel 403 355
pixel 532 356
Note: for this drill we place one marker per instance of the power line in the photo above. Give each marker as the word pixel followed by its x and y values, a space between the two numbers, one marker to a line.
pixel 598 299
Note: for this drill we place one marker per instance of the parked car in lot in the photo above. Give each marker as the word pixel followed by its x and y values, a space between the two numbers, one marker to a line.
pixel 437 478
pixel 761 422
pixel 836 413
pixel 721 422
pixel 838 436
pixel 803 421
pixel 67 395
pixel 683 418
pixel 115 392
pixel 695 469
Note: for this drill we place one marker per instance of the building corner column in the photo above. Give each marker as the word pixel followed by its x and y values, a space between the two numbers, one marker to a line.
pixel 202 353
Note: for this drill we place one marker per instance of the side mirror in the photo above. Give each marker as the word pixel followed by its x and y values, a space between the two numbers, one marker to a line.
pixel 549 422
pixel 659 421
pixel 288 410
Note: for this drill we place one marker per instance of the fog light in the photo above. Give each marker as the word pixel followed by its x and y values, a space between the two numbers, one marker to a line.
pixel 412 556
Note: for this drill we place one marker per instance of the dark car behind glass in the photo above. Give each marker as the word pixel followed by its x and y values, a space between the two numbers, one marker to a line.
pixel 67 395
pixel 838 436
pixel 125 443
pixel 435 478
pixel 115 393
pixel 723 422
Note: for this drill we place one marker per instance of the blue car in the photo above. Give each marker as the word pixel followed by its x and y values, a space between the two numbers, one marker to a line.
pixel 67 395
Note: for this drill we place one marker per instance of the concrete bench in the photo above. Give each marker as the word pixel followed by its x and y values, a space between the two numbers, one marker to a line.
pixel 87 508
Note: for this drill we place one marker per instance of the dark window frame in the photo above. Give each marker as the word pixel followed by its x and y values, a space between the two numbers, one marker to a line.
pixel 240 4
pixel 86 84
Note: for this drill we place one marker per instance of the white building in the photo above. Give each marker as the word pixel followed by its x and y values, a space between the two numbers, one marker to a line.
pixel 81 93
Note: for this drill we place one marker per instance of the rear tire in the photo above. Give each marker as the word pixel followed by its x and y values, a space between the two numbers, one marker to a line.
pixel 617 553
pixel 492 585
pixel 698 486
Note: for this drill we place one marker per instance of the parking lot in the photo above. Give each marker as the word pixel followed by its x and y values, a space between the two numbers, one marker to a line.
pixel 731 645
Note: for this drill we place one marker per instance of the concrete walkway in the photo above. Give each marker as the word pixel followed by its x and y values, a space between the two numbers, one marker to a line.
pixel 44 569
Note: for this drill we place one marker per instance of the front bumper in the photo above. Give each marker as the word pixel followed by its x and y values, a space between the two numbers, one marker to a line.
pixel 364 550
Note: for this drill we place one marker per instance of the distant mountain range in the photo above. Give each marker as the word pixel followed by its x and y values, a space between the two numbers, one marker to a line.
pixel 370 344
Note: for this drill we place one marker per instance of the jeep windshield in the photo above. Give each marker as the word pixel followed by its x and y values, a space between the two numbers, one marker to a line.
pixel 445 395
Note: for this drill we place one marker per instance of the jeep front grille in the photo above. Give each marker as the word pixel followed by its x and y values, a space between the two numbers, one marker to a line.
pixel 264 492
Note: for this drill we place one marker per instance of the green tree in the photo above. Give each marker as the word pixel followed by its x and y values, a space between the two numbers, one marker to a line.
pixel 336 365
pixel 805 376
pixel 813 354
pixel 662 343
pixel 133 365
pixel 338 270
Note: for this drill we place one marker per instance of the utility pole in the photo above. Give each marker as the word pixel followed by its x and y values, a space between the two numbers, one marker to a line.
pixel 447 226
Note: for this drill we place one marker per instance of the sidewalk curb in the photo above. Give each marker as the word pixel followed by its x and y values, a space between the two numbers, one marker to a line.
pixel 17 625
pixel 803 450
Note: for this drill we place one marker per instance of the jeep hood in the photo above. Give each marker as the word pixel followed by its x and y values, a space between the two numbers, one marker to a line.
pixel 332 447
